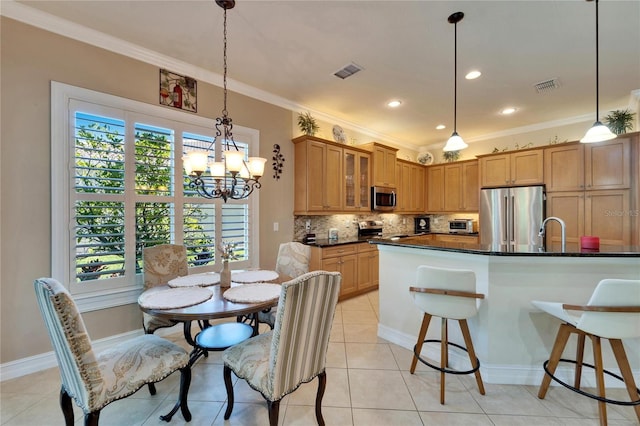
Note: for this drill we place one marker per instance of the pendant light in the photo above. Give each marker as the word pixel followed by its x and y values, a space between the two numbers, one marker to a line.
pixel 598 132
pixel 455 142
pixel 233 178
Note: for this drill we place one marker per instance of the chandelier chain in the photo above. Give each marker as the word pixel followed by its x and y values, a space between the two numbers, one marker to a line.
pixel 225 113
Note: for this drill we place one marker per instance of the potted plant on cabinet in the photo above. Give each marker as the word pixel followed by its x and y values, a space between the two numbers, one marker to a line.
pixel 620 121
pixel 307 124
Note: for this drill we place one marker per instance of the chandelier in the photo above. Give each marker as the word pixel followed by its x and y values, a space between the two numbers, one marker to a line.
pixel 234 177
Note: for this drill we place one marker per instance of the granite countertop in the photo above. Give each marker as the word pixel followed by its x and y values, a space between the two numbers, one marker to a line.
pixel 500 250
pixel 324 242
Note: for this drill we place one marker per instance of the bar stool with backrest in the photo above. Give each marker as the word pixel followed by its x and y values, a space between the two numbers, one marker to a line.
pixel 448 294
pixel 612 313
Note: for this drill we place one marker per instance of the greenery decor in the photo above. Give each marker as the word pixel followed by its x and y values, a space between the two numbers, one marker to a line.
pixel 307 124
pixel 450 156
pixel 620 121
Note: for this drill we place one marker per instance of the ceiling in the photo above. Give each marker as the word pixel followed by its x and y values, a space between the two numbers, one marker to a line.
pixel 289 50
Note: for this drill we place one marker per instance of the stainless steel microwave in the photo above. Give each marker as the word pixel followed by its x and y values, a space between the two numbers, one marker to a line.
pixel 383 198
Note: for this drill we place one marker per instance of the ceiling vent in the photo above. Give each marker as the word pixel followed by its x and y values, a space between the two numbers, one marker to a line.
pixel 547 86
pixel 348 70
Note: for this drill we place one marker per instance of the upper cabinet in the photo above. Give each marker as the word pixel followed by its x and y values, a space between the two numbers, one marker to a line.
pixel 384 164
pixel 523 167
pixel 357 170
pixel 410 178
pixel 453 187
pixel 330 178
pixel 576 166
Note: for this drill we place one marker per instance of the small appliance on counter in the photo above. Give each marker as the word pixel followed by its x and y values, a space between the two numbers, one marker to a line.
pixel 370 229
pixel 463 226
pixel 422 225
pixel 309 239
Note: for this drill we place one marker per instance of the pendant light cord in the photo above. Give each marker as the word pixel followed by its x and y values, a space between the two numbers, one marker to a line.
pixel 597 69
pixel 455 77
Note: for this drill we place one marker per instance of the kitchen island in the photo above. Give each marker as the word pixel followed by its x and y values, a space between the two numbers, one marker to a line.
pixel 511 338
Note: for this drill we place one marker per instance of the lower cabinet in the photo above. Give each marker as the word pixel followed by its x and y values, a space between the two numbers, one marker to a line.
pixel 358 264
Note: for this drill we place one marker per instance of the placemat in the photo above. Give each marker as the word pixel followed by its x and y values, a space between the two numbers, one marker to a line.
pixel 174 298
pixel 253 293
pixel 199 280
pixel 260 275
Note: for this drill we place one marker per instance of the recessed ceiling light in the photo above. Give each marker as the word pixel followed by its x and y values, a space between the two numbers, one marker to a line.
pixel 394 104
pixel 441 126
pixel 509 110
pixel 472 75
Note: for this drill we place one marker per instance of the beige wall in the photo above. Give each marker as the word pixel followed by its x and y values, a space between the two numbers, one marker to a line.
pixel 30 59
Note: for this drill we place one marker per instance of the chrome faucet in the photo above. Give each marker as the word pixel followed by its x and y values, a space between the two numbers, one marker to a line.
pixel 563 229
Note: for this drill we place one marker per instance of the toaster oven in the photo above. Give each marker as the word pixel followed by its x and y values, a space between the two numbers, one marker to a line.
pixel 463 226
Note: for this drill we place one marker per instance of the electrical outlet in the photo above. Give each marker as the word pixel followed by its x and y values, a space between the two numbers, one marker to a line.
pixel 276 226
pixel 307 225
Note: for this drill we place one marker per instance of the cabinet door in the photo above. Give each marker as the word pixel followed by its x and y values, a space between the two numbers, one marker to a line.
pixel 350 180
pixel 494 170
pixel 470 187
pixel 348 266
pixel 417 189
pixel 607 216
pixel 364 188
pixel 568 206
pixel 390 167
pixel 333 179
pixel 403 180
pixel 608 164
pixel 435 186
pixel 527 167
pixel 564 168
pixel 452 187
pixel 315 176
pixel 384 166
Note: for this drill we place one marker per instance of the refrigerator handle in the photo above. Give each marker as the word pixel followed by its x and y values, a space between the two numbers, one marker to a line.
pixel 512 235
pixel 505 223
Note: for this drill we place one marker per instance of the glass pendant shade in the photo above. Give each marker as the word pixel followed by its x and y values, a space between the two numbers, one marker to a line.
pixel 256 166
pixel 598 133
pixel 195 162
pixel 455 143
pixel 217 169
pixel 234 160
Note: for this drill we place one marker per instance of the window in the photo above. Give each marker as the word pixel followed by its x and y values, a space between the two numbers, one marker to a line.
pixel 118 186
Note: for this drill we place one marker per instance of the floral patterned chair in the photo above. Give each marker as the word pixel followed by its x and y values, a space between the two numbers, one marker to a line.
pixel 92 379
pixel 162 263
pixel 276 363
pixel 293 261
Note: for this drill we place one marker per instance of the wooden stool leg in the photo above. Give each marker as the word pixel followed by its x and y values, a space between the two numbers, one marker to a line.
pixel 558 347
pixel 597 362
pixel 444 355
pixel 625 370
pixel 579 357
pixel 472 353
pixel 426 319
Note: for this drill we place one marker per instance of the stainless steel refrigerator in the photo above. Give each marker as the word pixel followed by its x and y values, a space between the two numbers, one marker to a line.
pixel 511 217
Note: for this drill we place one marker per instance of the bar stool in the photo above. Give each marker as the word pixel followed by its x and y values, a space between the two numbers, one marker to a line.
pixel 612 313
pixel 448 294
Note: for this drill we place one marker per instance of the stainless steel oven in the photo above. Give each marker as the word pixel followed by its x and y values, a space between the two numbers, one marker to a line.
pixel 383 198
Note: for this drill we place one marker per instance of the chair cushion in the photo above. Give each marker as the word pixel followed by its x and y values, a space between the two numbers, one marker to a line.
pixel 151 323
pixel 127 367
pixel 250 361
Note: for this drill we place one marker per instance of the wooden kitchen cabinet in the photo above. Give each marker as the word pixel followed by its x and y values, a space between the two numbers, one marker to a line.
pixel 435 189
pixel 448 238
pixel 384 164
pixel 575 166
pixel 523 167
pixel 357 186
pixel 411 187
pixel 453 187
pixel 358 264
pixel 604 214
pixel 368 272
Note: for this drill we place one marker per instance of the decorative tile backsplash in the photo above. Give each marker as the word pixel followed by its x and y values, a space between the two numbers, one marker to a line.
pixel 347 224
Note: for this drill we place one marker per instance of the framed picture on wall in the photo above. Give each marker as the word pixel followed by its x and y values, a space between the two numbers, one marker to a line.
pixel 178 91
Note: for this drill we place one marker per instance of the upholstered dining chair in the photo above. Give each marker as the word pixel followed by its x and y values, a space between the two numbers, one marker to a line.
pixel 612 313
pixel 162 263
pixel 276 363
pixel 292 261
pixel 92 379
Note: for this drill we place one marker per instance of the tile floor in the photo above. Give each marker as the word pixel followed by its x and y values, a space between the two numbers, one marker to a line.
pixel 368 383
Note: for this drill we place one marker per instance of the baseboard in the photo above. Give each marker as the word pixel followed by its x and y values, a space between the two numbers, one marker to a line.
pixel 496 373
